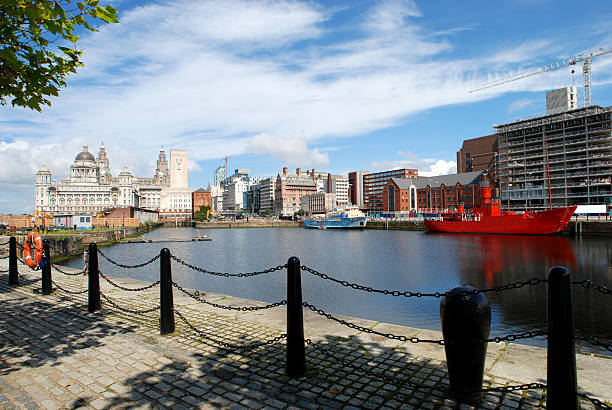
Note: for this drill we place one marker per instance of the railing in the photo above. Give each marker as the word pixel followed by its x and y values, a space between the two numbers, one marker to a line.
pixel 465 316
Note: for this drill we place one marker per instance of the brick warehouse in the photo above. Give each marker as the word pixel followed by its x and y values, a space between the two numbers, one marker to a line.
pixel 432 194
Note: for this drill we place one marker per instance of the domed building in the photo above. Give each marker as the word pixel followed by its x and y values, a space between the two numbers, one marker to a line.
pixel 90 187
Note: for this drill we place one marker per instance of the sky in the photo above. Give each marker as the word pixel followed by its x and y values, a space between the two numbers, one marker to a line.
pixel 334 85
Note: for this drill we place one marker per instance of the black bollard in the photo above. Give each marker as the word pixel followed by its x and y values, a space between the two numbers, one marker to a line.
pixel 561 380
pixel 13 274
pixel 166 314
pixel 93 280
pixel 296 355
pixel 45 267
pixel 466 322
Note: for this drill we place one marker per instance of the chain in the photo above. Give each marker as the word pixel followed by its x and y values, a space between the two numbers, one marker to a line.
pixel 69 291
pixel 4 257
pixel 409 294
pixel 598 403
pixel 152 285
pixel 3 270
pixel 595 341
pixel 67 273
pixel 588 284
pixel 241 308
pixel 248 346
pixel 239 275
pixel 28 281
pixel 498 339
pixel 137 312
pixel 26 265
pixel 528 386
pixel 139 265
pixel 18 244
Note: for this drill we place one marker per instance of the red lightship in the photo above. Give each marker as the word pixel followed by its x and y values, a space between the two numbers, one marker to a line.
pixel 489 218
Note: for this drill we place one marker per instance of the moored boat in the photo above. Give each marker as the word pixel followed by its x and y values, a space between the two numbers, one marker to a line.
pixel 342 219
pixel 489 218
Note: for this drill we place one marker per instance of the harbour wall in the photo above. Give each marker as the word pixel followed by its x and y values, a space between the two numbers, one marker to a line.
pixel 62 245
pixel 275 223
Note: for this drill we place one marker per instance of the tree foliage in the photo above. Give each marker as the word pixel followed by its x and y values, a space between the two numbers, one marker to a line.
pixel 202 213
pixel 38 46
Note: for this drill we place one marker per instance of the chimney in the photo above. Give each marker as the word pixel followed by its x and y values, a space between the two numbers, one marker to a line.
pixel 298 171
pixel 285 170
pixel 313 174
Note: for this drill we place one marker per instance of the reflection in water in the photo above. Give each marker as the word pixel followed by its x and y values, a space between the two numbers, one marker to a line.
pixel 402 260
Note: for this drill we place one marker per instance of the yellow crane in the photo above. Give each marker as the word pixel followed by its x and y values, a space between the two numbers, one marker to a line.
pixel 585 58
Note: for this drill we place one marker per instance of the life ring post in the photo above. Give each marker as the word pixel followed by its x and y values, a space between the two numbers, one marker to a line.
pixel 13 273
pixel 45 267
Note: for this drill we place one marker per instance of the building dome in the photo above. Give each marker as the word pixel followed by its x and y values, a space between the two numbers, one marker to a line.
pixel 44 169
pixel 85 155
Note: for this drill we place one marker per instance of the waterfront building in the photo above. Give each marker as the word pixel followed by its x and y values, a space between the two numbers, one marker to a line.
pixel 338 185
pixel 374 183
pixel 235 190
pixel 563 158
pixel 216 198
pixel 355 180
pixel 266 195
pixel 319 203
pixel 175 201
pixel 432 194
pixel 478 154
pixel 289 189
pixel 200 198
pixel 90 187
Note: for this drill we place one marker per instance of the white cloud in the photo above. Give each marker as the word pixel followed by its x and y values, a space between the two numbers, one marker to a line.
pixel 426 166
pixel 292 150
pixel 519 104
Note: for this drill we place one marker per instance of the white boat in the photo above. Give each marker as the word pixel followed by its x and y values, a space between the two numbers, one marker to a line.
pixel 341 219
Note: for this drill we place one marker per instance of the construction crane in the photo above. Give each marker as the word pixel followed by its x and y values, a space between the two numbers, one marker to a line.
pixel 226 158
pixel 585 57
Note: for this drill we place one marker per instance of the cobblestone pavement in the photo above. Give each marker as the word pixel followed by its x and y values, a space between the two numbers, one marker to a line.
pixel 54 354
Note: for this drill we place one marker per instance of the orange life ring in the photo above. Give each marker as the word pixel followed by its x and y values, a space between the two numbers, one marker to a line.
pixel 32 260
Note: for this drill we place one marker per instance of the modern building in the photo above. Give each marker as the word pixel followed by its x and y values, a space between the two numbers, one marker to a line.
pixel 355 180
pixel 236 188
pixel 175 203
pixel 216 198
pixel 90 187
pixel 318 203
pixel 373 185
pixel 219 175
pixel 266 195
pixel 561 100
pixel 289 190
pixel 557 160
pixel 432 194
pixel 338 185
pixel 200 198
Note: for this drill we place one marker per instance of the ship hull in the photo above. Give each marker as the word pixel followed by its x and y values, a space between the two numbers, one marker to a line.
pixel 538 223
pixel 344 223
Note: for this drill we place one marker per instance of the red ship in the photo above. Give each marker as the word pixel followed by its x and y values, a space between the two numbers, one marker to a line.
pixel 489 218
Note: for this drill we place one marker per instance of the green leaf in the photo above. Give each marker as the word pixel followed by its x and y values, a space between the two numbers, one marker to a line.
pixel 81 5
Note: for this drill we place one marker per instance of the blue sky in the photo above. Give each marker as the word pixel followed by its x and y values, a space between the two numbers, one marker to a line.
pixel 332 85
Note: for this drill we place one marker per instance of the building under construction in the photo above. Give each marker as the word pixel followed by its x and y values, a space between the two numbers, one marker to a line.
pixel 560 159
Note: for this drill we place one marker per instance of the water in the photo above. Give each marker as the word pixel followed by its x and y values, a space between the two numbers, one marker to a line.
pixel 394 260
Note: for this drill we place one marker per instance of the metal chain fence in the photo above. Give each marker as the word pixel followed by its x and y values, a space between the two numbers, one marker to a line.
pixel 72 292
pixel 67 273
pixel 410 294
pixel 588 284
pixel 121 265
pixel 248 346
pixel 497 339
pixel 240 308
pixel 226 274
pixel 126 310
pixel 149 286
pixel 597 403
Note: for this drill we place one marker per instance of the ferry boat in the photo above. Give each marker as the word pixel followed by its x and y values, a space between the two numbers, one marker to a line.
pixel 347 218
pixel 489 218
